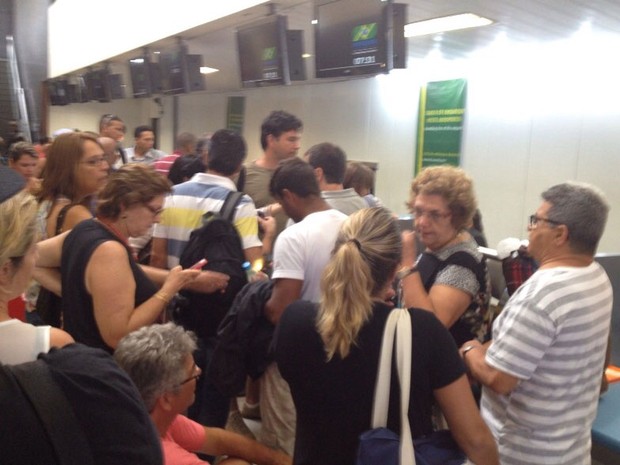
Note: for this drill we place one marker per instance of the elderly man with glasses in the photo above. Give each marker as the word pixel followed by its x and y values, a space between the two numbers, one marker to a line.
pixel 541 371
pixel 159 361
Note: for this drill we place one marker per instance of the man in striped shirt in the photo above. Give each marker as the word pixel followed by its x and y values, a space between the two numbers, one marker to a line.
pixel 541 372
pixel 206 192
pixel 183 211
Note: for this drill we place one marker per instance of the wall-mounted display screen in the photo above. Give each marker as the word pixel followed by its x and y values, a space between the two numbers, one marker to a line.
pixel 98 85
pixel 140 72
pixel 263 52
pixel 356 37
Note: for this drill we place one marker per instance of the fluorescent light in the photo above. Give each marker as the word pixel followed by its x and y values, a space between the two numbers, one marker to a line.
pixel 306 55
pixel 446 23
pixel 207 70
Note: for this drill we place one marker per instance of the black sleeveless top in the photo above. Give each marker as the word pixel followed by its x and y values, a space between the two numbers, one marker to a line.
pixel 77 303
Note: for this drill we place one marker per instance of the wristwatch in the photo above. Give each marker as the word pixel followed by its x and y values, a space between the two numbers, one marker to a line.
pixel 468 348
pixel 404 272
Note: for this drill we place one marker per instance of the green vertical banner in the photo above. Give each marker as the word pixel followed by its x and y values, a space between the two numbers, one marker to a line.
pixel 235 114
pixel 440 123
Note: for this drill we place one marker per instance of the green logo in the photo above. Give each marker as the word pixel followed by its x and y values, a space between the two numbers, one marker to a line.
pixel 364 32
pixel 269 53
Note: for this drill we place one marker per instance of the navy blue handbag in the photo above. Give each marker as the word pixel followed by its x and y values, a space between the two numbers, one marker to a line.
pixel 381 446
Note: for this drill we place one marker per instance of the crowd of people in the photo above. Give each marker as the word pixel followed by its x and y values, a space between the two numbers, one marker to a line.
pixel 92 239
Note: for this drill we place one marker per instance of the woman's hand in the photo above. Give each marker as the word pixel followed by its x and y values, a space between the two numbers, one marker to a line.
pixel 209 282
pixel 178 278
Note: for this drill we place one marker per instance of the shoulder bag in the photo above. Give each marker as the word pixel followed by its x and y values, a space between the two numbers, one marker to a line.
pixel 381 446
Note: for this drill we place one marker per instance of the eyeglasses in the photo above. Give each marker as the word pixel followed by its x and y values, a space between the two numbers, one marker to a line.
pixel 193 377
pixel 154 211
pixel 534 220
pixel 432 215
pixel 95 161
pixel 196 376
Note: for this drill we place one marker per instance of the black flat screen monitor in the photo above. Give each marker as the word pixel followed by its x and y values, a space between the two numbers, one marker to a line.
pixel 174 71
pixel 80 90
pixel 139 70
pixel 117 86
pixel 355 37
pixel 98 85
pixel 58 91
pixel 263 52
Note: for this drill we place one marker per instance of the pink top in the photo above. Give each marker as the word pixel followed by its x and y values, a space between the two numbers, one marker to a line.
pixel 182 438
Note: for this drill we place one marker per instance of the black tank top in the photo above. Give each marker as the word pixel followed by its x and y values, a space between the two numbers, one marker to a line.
pixel 77 303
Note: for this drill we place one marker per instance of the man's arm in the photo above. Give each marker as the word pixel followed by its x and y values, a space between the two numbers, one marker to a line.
pixel 159 253
pixel 253 253
pixel 473 354
pixel 285 292
pixel 221 442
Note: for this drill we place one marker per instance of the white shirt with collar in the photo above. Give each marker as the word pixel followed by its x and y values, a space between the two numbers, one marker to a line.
pixel 149 157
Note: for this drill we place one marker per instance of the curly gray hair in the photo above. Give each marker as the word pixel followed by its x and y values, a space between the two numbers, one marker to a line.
pixel 153 357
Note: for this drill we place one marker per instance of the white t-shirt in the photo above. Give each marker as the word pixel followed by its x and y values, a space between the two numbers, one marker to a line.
pixel 22 342
pixel 303 249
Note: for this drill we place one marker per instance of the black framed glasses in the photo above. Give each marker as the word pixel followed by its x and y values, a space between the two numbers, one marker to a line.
pixel 197 374
pixel 534 220
pixel 196 377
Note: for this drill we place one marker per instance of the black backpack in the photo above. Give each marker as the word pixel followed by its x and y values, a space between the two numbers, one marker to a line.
pixel 218 241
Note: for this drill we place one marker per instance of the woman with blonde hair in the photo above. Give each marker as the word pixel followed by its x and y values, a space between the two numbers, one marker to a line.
pixel 19 342
pixel 450 277
pixel 329 353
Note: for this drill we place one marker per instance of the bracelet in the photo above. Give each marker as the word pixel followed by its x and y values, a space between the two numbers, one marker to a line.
pixel 467 349
pixel 161 295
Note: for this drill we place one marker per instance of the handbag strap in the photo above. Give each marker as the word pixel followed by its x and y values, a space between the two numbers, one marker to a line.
pixel 398 324
pixel 60 219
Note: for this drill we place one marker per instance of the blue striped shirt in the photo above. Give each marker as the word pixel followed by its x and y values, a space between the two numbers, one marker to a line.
pixel 183 211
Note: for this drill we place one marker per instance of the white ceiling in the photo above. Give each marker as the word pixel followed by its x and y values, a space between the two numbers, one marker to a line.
pixel 527 21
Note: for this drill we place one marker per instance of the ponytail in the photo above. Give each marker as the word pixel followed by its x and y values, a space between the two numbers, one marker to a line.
pixel 346 302
pixel 367 252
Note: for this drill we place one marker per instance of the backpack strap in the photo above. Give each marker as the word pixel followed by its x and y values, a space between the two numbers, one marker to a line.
pixel 56 415
pixel 430 266
pixel 466 260
pixel 230 204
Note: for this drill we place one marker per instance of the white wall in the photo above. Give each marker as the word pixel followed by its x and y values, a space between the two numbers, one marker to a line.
pixel 84 32
pixel 536 115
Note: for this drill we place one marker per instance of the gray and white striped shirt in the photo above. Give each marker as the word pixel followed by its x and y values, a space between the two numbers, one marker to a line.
pixel 552 336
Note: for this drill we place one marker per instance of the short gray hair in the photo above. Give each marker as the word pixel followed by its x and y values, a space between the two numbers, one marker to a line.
pixel 153 357
pixel 583 208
